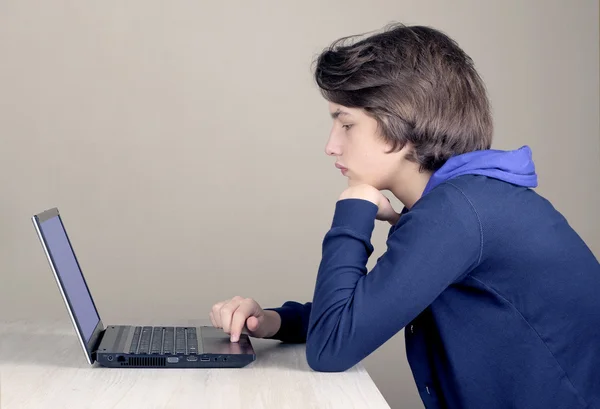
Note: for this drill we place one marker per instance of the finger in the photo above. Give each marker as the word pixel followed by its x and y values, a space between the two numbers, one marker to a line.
pixel 216 311
pixel 387 204
pixel 245 310
pixel 252 324
pixel 227 312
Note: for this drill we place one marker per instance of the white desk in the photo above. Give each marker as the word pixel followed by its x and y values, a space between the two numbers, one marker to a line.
pixel 42 366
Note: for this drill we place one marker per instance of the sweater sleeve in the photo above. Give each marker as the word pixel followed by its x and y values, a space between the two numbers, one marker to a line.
pixel 294 321
pixel 353 313
pixel 295 315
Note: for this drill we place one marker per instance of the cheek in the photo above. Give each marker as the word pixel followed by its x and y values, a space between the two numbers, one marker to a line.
pixel 368 160
pixel 367 167
pixel 380 167
pixel 373 159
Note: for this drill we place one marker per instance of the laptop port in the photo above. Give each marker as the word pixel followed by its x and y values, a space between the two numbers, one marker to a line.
pixel 192 358
pixel 172 359
pixel 205 359
pixel 110 357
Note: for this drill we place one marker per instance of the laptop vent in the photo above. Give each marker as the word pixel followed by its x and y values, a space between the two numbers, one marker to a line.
pixel 149 362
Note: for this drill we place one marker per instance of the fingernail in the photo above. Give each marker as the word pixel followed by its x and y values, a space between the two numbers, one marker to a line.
pixel 234 338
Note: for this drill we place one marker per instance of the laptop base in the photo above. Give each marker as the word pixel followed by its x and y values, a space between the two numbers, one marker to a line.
pixel 215 350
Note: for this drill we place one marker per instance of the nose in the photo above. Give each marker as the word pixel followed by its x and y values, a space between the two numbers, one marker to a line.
pixel 333 148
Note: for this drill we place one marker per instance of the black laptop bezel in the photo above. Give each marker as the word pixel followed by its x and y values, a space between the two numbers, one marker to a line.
pixel 91 346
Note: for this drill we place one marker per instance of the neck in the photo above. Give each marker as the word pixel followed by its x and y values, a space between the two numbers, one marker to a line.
pixel 409 187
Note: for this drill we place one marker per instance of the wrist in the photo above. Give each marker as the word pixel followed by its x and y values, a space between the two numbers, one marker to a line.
pixel 273 321
pixel 356 215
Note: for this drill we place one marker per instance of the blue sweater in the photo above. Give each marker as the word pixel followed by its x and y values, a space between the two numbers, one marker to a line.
pixel 499 297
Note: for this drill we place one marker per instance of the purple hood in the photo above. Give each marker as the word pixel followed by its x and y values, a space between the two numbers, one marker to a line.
pixel 514 167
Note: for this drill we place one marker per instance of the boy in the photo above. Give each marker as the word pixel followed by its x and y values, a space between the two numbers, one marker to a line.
pixel 499 297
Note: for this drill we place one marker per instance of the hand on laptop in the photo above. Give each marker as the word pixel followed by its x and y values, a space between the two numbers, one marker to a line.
pixel 238 313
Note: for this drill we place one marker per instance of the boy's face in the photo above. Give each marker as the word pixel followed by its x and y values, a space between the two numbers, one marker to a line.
pixel 359 149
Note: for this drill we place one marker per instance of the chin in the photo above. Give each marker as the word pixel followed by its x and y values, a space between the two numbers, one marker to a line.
pixel 379 185
pixel 357 181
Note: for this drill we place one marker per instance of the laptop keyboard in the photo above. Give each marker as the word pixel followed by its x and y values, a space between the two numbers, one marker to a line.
pixel 164 340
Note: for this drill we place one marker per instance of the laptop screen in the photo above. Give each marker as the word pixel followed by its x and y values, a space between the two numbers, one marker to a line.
pixel 70 275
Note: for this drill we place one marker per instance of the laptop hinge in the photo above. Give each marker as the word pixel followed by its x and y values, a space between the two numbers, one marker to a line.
pixel 95 339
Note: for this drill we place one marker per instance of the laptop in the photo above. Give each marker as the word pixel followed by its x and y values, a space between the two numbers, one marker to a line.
pixel 131 346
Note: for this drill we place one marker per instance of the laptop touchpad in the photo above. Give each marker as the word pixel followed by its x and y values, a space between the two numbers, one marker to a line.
pixel 215 341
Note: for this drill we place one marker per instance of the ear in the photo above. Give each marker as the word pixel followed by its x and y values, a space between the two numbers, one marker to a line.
pixel 407 150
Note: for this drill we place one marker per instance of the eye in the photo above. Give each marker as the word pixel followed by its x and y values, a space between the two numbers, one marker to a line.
pixel 347 127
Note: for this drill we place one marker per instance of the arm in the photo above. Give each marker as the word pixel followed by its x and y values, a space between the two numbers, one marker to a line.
pixel 294 321
pixel 353 313
pixel 294 317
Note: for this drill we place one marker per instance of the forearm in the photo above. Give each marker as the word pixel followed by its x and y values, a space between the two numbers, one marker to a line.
pixel 291 321
pixel 354 312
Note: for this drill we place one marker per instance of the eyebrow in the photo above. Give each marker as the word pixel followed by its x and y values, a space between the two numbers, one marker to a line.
pixel 339 113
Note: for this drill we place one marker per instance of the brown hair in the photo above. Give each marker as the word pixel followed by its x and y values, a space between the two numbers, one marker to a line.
pixel 418 84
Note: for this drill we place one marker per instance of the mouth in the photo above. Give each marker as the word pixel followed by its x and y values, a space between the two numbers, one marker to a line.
pixel 343 169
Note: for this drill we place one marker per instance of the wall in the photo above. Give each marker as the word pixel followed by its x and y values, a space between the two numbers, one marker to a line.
pixel 183 142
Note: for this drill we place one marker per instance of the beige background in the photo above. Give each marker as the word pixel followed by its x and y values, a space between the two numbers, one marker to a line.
pixel 183 142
